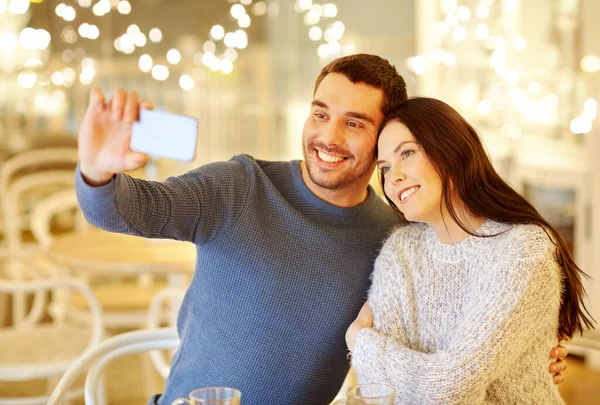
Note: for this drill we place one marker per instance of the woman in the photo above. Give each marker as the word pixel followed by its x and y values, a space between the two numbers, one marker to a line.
pixel 468 298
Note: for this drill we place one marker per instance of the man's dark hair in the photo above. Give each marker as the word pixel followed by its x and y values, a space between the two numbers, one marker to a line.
pixel 373 71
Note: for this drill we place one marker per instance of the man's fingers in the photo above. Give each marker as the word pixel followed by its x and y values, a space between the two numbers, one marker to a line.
pixel 118 103
pixel 147 105
pixel 559 352
pixel 558 367
pixel 135 160
pixel 131 107
pixel 97 100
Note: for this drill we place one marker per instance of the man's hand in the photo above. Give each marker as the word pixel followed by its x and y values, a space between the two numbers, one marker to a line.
pixel 556 369
pixel 363 320
pixel 105 136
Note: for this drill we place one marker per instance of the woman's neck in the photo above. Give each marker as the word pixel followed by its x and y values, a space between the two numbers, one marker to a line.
pixel 448 230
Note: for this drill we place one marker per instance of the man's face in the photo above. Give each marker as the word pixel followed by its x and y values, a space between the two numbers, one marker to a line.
pixel 340 133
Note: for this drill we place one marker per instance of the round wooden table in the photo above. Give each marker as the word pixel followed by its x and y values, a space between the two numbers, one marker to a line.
pixel 95 249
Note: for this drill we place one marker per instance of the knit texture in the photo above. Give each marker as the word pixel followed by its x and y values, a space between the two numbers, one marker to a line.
pixel 465 323
pixel 279 277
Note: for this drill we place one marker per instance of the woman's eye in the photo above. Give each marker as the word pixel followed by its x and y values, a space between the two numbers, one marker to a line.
pixel 384 169
pixel 407 153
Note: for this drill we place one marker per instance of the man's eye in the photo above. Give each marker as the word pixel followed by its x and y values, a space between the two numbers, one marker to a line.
pixel 319 115
pixel 353 124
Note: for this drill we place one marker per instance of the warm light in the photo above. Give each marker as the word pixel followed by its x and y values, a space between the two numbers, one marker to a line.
pixel 160 72
pixel 230 40
pixel 312 18
pixel 534 87
pixel 60 9
pixel 349 49
pixel 510 6
pixel 483 11
pixel 209 46
pixel 246 2
pixel 482 31
pixel 511 131
pixel 18 7
pixel 173 56
pixel 315 33
pixel 217 32
pixel 209 58
pixel 87 62
pixel 8 42
pixel 186 82
pixel 590 109
pixel 448 5
pixel 441 28
pixel 133 29
pixel 323 51
pixel 484 108
pixel 512 76
pixel 260 8
pixel 449 59
pixel 226 66
pixel 241 39
pixel 304 4
pixel 27 79
pixel 330 10
pixel 237 10
pixel 519 43
pixel 85 3
pixel 417 64
pixel 33 63
pixel 124 7
pixel 231 54
pixel 145 63
pixel 459 33
pixel 590 63
pixel 337 30
pixel 69 75
pixel 57 78
pixel 69 13
pixel 155 35
pixel 580 125
pixel 244 21
pixel 463 13
pixel 139 39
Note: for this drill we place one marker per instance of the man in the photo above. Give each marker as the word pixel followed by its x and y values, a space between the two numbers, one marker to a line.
pixel 285 249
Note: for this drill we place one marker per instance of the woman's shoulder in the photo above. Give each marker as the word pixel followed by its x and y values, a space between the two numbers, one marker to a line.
pixel 410 232
pixel 527 241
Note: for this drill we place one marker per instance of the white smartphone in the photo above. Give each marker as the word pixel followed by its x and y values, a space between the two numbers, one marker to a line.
pixel 162 134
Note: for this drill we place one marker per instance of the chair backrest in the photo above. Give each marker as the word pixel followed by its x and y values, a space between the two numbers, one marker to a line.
pixel 36 160
pixel 100 355
pixel 13 204
pixel 49 207
pixel 37 312
pixel 170 298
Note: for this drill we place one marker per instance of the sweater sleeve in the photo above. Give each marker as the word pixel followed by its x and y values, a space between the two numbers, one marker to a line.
pixel 514 309
pixel 194 207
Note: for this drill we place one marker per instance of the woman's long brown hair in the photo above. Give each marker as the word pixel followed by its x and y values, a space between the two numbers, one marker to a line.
pixel 457 154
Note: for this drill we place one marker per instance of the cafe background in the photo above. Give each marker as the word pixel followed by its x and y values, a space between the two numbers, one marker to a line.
pixel 526 74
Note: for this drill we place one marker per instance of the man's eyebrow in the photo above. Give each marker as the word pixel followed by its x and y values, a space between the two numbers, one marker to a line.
pixel 352 114
pixel 319 103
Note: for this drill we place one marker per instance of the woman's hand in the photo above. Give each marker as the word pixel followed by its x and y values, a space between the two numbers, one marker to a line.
pixel 363 320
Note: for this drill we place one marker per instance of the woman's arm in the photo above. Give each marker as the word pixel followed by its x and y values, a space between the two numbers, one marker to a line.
pixel 512 312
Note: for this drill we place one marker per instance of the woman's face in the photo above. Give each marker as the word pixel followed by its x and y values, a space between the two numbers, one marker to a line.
pixel 411 181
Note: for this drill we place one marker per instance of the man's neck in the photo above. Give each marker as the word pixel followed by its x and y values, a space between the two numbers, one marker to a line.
pixel 345 197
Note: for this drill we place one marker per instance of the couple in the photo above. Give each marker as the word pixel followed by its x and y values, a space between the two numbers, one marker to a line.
pixel 285 252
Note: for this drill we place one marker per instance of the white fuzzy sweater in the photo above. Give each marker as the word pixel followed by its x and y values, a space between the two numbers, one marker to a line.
pixel 465 323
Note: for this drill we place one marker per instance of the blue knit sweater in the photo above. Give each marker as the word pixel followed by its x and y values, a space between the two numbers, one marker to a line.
pixel 280 274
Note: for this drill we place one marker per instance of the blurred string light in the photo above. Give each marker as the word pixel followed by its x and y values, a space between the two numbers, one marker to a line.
pixel 318 18
pixel 501 40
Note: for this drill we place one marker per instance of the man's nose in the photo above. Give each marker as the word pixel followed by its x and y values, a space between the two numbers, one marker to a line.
pixel 333 134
